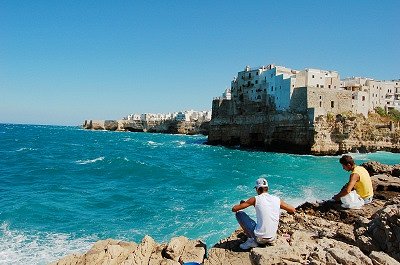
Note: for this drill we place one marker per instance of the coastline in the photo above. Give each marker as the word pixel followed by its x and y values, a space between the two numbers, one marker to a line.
pixel 319 233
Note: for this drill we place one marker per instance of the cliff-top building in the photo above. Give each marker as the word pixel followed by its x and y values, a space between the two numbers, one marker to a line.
pixel 313 91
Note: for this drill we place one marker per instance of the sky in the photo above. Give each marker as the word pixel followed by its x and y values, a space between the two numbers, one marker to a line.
pixel 65 61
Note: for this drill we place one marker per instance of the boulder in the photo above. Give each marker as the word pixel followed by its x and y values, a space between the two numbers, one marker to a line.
pixel 185 249
pixel 107 251
pixel 375 168
pixel 227 251
pixel 384 229
pixel 381 258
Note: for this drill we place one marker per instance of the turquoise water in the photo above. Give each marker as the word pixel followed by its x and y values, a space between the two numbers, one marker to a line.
pixel 63 188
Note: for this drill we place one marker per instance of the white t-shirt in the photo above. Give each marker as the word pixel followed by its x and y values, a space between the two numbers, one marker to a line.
pixel 268 213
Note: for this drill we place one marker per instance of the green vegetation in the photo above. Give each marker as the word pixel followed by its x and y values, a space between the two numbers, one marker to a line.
pixel 393 114
pixel 330 117
pixel 381 111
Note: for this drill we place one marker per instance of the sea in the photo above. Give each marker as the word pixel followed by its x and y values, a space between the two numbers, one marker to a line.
pixel 64 188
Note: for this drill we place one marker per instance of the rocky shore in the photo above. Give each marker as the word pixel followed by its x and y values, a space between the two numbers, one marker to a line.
pixel 319 233
pixel 167 126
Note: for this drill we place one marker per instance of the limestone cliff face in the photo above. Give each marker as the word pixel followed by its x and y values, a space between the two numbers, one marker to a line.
pixel 295 133
pixel 276 132
pixel 355 133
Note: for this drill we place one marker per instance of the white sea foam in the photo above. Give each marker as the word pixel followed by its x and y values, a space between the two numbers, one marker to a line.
pixel 180 143
pixel 309 195
pixel 151 143
pixel 25 149
pixel 17 247
pixel 89 161
pixel 242 188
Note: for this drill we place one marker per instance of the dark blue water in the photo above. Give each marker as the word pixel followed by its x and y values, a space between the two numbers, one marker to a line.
pixel 63 188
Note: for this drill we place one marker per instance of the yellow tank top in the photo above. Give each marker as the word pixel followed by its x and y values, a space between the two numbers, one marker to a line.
pixel 363 187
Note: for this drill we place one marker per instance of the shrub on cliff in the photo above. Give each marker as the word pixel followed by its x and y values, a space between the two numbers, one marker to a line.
pixel 394 114
pixel 381 111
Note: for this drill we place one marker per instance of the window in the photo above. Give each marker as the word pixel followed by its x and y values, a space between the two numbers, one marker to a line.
pixel 363 98
pixel 322 86
pixel 317 85
pixel 320 104
pixel 332 104
pixel 272 88
pixel 329 86
pixel 320 97
pixel 312 76
pixel 256 81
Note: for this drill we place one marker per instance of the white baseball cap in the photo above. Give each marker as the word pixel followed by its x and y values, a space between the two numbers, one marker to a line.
pixel 261 183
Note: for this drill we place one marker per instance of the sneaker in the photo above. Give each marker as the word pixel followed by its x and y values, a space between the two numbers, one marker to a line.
pixel 250 243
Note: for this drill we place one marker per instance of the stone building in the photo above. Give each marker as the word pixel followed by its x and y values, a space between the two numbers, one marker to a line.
pixel 369 94
pixel 312 91
pixel 277 88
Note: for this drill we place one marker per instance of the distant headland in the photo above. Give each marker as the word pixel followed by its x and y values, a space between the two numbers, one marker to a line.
pixel 184 122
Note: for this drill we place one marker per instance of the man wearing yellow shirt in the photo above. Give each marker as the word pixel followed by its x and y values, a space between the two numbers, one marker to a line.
pixel 359 181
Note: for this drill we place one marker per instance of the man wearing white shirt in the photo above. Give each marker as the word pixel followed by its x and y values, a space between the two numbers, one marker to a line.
pixel 267 212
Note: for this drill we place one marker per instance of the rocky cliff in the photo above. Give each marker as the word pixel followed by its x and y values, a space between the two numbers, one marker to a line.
pixel 169 126
pixel 295 133
pixel 319 233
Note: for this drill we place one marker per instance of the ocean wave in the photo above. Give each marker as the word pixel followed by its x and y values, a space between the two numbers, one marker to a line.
pixel 153 144
pixel 89 161
pixel 25 149
pixel 18 247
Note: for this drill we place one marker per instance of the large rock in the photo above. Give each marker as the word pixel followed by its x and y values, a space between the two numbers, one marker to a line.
pixel 103 252
pixel 114 252
pixel 375 168
pixel 306 248
pixel 384 229
pixel 227 251
pixel 381 258
pixel 185 249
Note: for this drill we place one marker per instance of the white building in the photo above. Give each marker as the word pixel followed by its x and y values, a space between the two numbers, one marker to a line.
pixel 369 94
pixel 274 86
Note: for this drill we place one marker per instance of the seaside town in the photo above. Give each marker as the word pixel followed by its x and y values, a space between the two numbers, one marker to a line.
pixel 285 89
pixel 188 115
